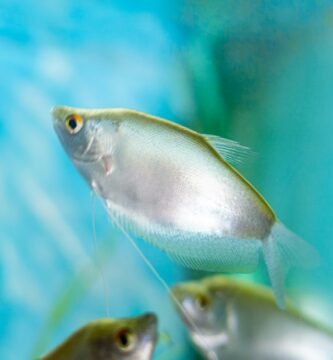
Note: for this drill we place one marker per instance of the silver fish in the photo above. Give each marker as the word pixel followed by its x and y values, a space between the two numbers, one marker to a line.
pixel 108 339
pixel 174 188
pixel 235 320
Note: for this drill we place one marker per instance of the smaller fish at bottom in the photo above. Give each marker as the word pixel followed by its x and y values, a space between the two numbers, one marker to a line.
pixel 235 320
pixel 109 339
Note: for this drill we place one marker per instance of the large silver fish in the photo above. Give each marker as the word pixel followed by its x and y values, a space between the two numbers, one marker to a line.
pixel 240 321
pixel 174 188
pixel 108 339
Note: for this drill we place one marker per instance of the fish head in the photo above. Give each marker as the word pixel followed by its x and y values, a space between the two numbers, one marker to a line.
pixel 201 310
pixel 123 339
pixel 86 135
pixel 89 138
pixel 134 338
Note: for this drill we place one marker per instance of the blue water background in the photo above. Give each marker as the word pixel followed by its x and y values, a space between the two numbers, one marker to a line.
pixel 260 72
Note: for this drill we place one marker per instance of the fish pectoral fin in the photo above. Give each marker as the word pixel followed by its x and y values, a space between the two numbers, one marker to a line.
pixel 107 164
pixel 230 150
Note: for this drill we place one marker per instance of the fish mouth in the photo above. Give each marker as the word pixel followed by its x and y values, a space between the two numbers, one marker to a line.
pixel 55 114
pixel 178 297
pixel 150 322
pixel 184 303
pixel 149 328
pixel 58 113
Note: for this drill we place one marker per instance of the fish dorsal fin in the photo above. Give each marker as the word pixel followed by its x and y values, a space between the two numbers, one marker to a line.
pixel 230 150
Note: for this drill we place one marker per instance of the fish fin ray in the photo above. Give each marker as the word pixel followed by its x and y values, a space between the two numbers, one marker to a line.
pixel 230 150
pixel 284 250
pixel 223 255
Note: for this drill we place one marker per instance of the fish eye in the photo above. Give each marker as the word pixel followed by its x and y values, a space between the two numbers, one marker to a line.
pixel 125 339
pixel 74 123
pixel 202 302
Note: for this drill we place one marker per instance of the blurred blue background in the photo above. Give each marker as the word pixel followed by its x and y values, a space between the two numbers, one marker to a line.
pixel 259 72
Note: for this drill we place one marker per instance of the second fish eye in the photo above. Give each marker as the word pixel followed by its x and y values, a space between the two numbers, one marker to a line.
pixel 125 339
pixel 74 123
pixel 202 302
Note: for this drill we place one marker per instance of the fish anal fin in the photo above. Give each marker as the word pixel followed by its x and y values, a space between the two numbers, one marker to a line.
pixel 225 255
pixel 196 251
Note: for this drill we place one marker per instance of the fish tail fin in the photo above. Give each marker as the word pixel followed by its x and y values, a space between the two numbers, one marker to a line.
pixel 284 250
